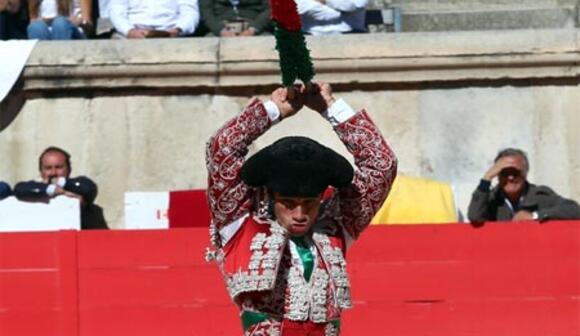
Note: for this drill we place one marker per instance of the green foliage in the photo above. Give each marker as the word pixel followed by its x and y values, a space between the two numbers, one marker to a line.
pixel 295 59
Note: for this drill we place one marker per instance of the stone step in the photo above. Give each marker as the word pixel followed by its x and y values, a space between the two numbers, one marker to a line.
pixel 489 19
pixel 414 19
pixel 477 5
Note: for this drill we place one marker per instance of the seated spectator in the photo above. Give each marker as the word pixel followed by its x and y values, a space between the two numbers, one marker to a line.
pixel 228 18
pixel 162 18
pixel 514 198
pixel 13 20
pixel 327 17
pixel 55 167
pixel 5 190
pixel 60 19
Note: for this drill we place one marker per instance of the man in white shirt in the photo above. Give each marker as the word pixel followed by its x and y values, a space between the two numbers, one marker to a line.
pixel 154 18
pixel 327 17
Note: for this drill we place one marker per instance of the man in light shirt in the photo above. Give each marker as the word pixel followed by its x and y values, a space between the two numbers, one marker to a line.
pixel 327 17
pixel 154 18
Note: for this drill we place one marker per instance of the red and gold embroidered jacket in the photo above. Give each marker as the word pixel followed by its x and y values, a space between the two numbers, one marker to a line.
pixel 258 263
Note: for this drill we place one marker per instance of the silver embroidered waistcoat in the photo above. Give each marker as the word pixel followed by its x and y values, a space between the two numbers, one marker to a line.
pixel 263 277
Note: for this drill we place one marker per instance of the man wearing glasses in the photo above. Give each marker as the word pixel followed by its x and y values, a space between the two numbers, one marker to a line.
pixel 514 198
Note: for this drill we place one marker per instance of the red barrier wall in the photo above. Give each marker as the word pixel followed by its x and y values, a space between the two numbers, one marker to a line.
pixel 503 279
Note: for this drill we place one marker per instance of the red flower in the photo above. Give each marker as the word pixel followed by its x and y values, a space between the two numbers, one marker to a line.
pixel 286 14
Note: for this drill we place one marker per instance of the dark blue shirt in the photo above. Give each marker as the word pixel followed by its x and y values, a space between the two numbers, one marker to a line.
pixel 5 190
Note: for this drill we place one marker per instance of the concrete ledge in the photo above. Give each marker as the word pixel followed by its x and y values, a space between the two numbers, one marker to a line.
pixel 472 5
pixel 196 63
pixel 520 18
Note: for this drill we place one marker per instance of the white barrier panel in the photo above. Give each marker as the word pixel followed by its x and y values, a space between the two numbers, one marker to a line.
pixel 60 213
pixel 146 210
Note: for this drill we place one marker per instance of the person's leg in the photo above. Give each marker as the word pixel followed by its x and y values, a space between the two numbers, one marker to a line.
pixel 14 27
pixel 38 30
pixel 62 28
pixel 19 22
pixel 3 26
pixel 78 34
pixel 118 36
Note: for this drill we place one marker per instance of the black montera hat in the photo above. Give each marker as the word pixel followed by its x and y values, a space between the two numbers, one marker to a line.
pixel 297 167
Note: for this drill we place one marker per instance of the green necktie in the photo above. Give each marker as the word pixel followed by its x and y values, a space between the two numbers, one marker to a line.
pixel 305 255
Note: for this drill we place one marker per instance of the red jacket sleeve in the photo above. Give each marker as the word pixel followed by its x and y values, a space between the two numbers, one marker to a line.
pixel 376 170
pixel 228 197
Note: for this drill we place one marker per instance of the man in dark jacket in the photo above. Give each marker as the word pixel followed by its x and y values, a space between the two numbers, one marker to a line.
pixel 5 190
pixel 514 198
pixel 227 18
pixel 55 167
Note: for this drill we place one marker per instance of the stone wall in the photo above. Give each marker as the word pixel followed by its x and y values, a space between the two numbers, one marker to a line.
pixel 135 115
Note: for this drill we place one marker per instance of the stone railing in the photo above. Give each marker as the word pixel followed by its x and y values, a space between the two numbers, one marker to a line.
pixel 201 63
pixel 135 115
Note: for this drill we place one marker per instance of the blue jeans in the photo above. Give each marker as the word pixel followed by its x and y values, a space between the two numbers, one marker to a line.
pixel 60 28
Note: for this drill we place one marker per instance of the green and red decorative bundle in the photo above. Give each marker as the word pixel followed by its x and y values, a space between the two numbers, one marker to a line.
pixel 295 59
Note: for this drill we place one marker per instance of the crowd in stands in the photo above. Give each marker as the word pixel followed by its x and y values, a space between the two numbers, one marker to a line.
pixel 77 19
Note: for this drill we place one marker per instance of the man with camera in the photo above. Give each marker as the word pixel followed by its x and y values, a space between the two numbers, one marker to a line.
pixel 514 198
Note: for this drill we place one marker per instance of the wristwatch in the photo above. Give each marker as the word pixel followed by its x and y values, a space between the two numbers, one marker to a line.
pixel 535 215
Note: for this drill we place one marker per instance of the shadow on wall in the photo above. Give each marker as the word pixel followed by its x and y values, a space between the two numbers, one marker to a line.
pixel 11 105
